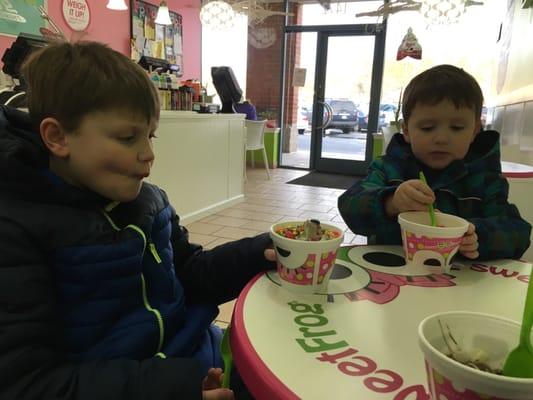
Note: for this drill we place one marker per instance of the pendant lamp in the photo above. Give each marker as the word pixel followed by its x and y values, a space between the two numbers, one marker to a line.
pixel 163 16
pixel 117 5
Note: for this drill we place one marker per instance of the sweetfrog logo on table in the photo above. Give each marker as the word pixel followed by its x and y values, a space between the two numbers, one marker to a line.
pixel 319 339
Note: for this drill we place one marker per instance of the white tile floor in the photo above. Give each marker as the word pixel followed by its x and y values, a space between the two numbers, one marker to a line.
pixel 266 202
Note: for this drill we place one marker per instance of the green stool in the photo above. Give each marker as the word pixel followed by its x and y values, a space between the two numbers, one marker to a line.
pixel 377 139
pixel 271 147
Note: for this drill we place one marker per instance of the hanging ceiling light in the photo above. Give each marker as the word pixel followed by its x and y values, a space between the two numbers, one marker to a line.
pixel 217 14
pixel 163 16
pixel 442 12
pixel 117 5
pixel 256 11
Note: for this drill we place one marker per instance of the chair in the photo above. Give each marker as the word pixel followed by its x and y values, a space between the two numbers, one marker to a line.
pixel 255 140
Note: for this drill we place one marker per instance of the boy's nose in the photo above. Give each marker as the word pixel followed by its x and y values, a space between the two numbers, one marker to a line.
pixel 441 136
pixel 147 153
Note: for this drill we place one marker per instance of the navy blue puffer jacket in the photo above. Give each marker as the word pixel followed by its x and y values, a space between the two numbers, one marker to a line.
pixel 101 300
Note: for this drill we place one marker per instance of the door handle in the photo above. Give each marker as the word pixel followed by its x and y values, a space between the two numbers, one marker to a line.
pixel 329 112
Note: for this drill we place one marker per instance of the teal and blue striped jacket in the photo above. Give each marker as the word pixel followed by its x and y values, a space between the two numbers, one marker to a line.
pixel 473 188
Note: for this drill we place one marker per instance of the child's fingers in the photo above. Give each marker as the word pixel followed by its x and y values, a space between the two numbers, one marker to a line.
pixel 422 187
pixel 470 254
pixel 420 192
pixel 218 394
pixel 213 379
pixel 469 239
pixel 270 254
pixel 406 203
pixel 469 247
pixel 469 244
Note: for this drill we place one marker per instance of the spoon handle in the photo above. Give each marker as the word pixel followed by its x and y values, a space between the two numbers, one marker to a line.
pixel 527 322
pixel 430 207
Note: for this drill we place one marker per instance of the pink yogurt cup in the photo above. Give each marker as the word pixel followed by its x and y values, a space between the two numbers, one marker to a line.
pixel 305 266
pixel 433 246
pixel 451 380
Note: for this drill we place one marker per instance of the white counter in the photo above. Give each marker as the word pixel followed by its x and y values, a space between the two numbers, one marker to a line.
pixel 199 161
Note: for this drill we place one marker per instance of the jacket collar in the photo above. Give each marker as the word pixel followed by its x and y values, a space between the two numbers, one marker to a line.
pixel 483 154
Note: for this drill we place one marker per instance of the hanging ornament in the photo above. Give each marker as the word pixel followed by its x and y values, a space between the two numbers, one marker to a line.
pixel 409 47
pixel 442 12
pixel 217 14
pixel 261 37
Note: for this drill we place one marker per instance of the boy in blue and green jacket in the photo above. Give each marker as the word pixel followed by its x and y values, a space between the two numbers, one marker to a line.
pixel 441 137
pixel 102 296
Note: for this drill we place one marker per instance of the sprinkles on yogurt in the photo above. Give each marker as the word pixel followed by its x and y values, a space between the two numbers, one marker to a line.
pixel 310 230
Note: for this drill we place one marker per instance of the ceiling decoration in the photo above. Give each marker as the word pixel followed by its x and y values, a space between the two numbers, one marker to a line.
pixel 220 14
pixel 256 11
pixel 435 11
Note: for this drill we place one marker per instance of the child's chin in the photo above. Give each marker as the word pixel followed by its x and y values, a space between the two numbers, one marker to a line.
pixel 438 164
pixel 124 197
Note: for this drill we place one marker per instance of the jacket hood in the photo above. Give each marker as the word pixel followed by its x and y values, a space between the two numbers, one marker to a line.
pixel 24 162
pixel 484 152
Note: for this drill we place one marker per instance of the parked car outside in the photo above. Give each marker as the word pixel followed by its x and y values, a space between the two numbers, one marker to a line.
pixel 344 115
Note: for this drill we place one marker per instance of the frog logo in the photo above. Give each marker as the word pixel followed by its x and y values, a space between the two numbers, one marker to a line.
pixel 376 274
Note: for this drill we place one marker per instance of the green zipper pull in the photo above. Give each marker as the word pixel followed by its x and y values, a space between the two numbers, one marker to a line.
pixel 153 250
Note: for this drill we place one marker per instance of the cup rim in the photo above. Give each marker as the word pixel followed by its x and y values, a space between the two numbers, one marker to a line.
pixel 325 224
pixel 443 358
pixel 402 219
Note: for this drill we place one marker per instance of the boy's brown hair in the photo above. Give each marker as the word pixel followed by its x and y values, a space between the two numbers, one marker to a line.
pixel 67 81
pixel 440 83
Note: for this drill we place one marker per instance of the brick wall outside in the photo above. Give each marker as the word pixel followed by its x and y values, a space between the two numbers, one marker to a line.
pixel 264 70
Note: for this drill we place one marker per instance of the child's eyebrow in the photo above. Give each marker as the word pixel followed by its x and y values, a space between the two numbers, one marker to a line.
pixel 426 120
pixel 458 119
pixel 132 126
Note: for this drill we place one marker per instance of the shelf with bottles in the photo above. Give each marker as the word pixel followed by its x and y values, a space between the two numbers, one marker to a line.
pixel 175 94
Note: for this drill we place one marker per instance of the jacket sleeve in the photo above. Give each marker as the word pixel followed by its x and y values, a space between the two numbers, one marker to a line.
pixel 362 205
pixel 33 365
pixel 218 275
pixel 502 233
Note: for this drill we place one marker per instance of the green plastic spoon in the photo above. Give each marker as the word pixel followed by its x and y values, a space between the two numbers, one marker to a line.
pixel 519 362
pixel 432 217
pixel 225 351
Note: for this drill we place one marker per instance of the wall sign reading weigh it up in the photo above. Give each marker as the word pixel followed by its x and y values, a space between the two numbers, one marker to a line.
pixel 76 14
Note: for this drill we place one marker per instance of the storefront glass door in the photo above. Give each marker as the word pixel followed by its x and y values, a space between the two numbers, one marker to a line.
pixel 331 96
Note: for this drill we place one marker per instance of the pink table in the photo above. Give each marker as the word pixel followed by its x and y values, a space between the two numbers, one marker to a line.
pixel 360 340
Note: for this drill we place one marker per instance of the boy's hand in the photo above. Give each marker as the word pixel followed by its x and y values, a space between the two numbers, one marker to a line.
pixel 270 254
pixel 469 245
pixel 411 195
pixel 211 386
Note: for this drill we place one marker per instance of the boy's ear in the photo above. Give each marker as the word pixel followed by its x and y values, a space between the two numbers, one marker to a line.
pixel 405 132
pixel 54 137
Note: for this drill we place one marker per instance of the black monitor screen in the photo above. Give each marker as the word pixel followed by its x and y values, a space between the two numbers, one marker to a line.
pixel 19 51
pixel 227 87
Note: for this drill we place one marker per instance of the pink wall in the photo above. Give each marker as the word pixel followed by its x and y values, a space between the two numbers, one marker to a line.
pixel 113 28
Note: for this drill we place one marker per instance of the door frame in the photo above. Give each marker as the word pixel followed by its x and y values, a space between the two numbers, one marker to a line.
pixel 350 167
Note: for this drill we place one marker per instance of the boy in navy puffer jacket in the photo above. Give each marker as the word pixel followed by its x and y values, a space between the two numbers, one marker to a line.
pixel 101 294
